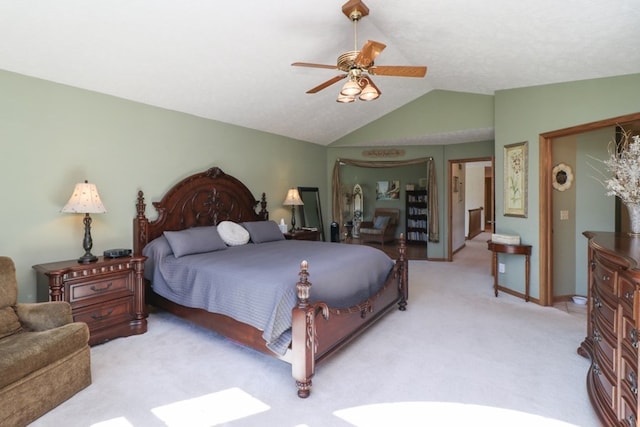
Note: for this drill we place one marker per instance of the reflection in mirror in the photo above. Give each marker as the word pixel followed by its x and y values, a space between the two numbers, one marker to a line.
pixel 311 213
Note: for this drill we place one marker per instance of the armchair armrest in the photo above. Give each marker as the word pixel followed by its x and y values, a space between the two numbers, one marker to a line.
pixel 366 224
pixel 42 316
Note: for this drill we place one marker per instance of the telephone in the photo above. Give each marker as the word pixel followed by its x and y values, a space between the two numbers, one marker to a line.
pixel 117 253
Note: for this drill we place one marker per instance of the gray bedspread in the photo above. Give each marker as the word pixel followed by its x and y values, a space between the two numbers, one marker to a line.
pixel 255 283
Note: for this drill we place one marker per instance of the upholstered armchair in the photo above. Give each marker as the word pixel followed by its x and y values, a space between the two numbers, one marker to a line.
pixel 383 227
pixel 44 355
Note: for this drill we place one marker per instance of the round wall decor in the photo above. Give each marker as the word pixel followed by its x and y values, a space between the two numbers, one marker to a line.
pixel 562 177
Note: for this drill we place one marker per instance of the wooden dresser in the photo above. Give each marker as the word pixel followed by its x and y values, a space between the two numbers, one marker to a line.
pixel 612 326
pixel 108 295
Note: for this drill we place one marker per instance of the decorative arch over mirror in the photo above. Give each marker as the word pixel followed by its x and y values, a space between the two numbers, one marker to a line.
pixel 311 212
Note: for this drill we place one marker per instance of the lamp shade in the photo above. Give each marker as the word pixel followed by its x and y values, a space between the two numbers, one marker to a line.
pixel 345 99
pixel 351 88
pixel 84 199
pixel 369 93
pixel 293 198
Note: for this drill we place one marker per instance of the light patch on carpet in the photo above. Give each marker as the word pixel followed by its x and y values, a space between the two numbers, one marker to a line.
pixel 114 422
pixel 409 414
pixel 211 409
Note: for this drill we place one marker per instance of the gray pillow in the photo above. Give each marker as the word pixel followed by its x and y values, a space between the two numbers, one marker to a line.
pixel 380 221
pixel 194 241
pixel 263 231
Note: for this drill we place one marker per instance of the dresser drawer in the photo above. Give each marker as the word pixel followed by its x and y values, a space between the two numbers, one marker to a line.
pixel 628 410
pixel 605 351
pixel 606 280
pixel 102 315
pixel 626 294
pixel 102 288
pixel 629 374
pixel 629 334
pixel 604 313
pixel 604 386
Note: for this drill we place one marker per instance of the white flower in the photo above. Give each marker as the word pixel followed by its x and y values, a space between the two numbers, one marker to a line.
pixel 624 165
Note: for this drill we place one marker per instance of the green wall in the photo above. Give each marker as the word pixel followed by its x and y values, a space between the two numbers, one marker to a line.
pixel 54 136
pixel 437 112
pixel 522 115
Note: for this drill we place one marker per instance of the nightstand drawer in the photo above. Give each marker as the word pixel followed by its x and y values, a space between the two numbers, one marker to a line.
pixel 102 315
pixel 105 287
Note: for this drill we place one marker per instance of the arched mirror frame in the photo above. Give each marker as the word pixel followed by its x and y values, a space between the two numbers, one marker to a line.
pixel 358 209
pixel 311 211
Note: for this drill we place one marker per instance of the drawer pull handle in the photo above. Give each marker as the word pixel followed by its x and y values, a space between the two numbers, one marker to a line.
pixel 634 337
pixel 597 303
pixel 94 288
pixel 631 420
pixel 101 316
pixel 633 382
pixel 596 335
pixel 596 369
pixel 629 295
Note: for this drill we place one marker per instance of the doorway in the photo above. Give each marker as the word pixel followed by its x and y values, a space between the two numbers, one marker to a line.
pixel 546 141
pixel 466 202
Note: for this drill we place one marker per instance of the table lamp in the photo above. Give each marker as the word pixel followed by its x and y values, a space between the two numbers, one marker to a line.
pixel 293 199
pixel 85 199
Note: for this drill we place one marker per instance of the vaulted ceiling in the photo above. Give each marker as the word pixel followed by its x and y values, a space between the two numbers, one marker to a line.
pixel 231 61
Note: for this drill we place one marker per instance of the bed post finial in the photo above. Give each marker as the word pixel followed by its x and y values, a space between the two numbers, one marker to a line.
pixel 140 206
pixel 140 226
pixel 264 213
pixel 303 285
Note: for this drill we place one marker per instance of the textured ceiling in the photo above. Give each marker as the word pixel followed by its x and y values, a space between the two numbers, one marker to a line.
pixel 231 61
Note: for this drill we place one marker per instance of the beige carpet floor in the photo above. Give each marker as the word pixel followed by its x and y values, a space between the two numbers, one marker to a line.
pixel 457 356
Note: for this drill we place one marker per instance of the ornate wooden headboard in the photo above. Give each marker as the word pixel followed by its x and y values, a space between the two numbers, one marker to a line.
pixel 205 198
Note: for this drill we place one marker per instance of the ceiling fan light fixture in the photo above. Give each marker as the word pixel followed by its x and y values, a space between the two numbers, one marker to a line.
pixel 343 99
pixel 369 93
pixel 351 88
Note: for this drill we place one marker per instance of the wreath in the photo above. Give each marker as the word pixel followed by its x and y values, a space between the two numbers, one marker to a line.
pixel 562 177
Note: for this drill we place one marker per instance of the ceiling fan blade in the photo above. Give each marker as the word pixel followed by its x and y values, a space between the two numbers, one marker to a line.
pixel 311 65
pixel 398 71
pixel 327 83
pixel 368 53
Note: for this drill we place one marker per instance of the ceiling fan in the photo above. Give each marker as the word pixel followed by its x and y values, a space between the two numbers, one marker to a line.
pixel 358 65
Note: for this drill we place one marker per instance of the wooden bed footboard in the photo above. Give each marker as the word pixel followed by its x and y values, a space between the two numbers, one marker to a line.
pixel 318 331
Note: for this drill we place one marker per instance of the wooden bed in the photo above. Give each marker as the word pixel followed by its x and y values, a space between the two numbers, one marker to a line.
pixel 212 196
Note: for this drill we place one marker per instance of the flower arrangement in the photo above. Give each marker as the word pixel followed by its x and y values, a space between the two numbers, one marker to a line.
pixel 624 166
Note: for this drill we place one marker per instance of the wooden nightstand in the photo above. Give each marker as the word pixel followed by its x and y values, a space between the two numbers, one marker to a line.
pixel 302 235
pixel 108 295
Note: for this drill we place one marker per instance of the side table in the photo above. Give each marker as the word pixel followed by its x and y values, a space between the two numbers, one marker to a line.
pixel 108 295
pixel 302 235
pixel 501 248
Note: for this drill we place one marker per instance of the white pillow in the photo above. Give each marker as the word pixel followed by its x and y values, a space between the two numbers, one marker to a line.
pixel 233 234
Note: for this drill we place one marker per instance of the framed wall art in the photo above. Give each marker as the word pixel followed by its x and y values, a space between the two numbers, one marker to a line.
pixel 515 179
pixel 387 190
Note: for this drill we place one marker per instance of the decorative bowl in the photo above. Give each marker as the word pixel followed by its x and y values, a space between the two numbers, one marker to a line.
pixel 579 300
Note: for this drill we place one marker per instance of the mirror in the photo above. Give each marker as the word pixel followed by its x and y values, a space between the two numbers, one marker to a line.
pixel 358 207
pixel 311 213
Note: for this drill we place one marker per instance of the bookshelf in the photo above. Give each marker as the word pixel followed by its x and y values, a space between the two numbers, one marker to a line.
pixel 416 217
